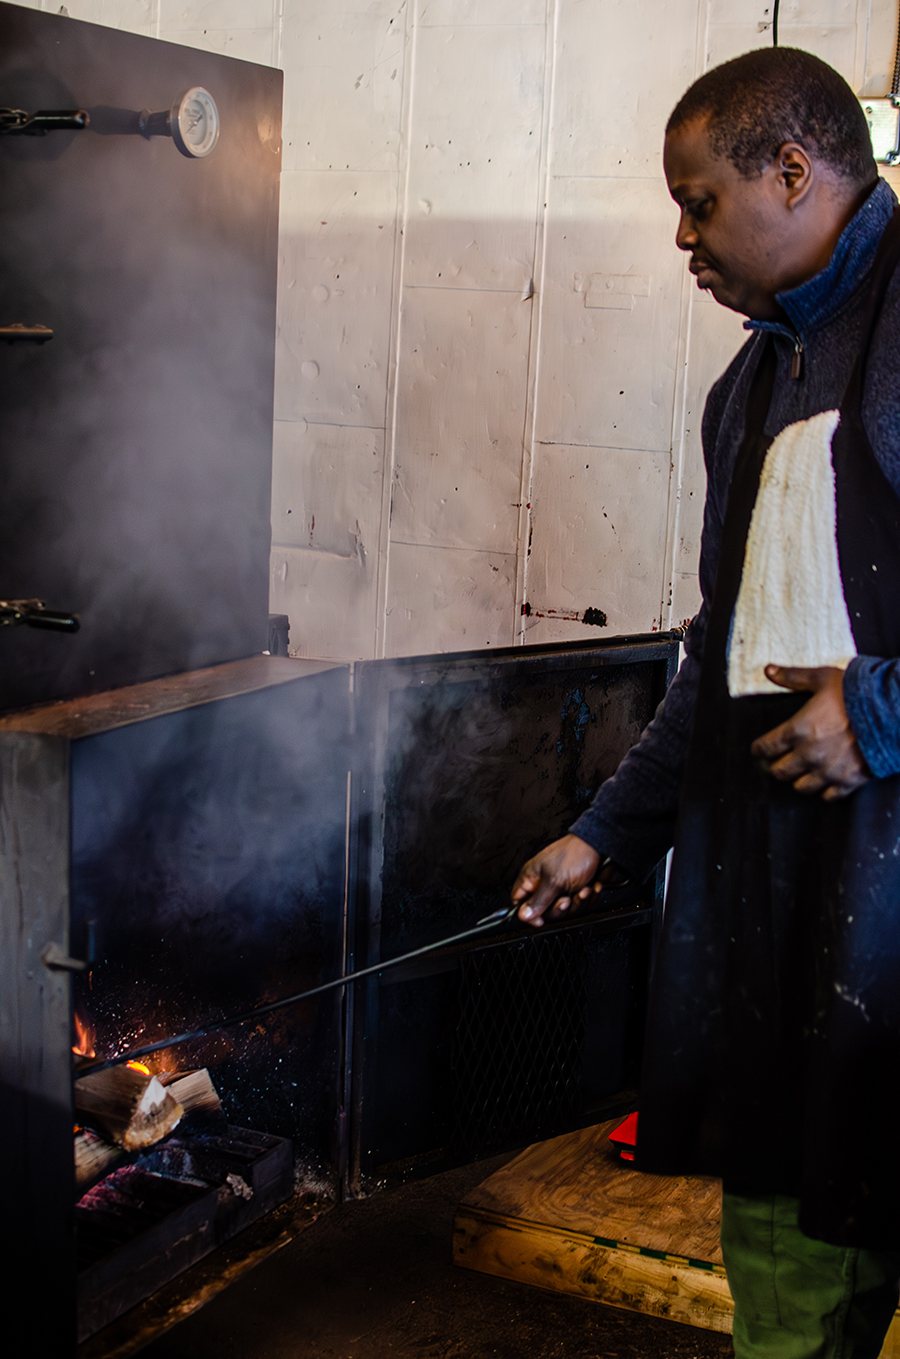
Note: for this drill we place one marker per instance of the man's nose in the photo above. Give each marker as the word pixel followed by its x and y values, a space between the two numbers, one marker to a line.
pixel 686 235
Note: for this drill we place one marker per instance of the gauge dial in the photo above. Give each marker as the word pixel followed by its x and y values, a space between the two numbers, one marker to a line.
pixel 194 121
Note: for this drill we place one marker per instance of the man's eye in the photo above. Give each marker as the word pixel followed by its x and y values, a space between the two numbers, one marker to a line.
pixel 698 209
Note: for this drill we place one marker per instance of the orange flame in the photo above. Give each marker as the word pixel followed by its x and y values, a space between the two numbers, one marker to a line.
pixel 84 1039
pixel 139 1066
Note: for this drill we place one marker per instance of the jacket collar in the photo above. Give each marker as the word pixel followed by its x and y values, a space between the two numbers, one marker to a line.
pixel 811 305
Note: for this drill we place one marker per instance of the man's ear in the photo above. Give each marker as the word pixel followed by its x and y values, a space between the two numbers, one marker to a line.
pixel 795 172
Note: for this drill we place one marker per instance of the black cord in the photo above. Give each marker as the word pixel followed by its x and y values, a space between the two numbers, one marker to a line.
pixel 775 6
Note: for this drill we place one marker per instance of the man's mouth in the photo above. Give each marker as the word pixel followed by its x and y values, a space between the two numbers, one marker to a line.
pixel 702 270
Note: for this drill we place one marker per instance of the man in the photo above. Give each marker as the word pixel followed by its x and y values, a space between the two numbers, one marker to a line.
pixel 774 1029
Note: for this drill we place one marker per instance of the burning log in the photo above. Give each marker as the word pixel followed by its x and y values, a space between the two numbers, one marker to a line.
pixel 130 1107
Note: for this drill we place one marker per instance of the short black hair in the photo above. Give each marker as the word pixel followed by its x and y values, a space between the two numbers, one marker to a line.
pixel 762 99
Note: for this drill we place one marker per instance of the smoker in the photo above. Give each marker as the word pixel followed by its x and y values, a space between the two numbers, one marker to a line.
pixel 193 831
pixel 181 851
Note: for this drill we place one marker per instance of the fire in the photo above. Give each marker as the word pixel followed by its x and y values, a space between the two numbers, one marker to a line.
pixel 84 1039
pixel 139 1066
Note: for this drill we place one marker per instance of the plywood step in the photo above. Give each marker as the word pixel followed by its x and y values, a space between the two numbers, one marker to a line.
pixel 567 1215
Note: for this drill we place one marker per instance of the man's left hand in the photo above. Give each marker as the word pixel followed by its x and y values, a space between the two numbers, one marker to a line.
pixel 816 749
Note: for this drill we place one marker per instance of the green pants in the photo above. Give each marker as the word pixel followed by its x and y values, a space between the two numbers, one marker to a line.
pixel 796 1298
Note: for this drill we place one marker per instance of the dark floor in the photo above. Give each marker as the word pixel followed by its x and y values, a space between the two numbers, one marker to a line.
pixel 374 1278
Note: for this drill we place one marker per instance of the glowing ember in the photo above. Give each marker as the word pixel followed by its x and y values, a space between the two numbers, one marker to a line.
pixel 84 1039
pixel 139 1066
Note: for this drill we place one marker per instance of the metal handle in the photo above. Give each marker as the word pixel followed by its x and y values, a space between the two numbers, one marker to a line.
pixel 32 614
pixel 17 121
pixel 18 331
pixel 56 958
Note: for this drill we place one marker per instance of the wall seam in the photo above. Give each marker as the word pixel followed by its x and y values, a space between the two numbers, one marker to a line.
pixel 523 534
pixel 382 584
pixel 679 404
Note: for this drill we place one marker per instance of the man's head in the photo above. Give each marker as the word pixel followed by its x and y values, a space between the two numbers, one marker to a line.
pixel 768 156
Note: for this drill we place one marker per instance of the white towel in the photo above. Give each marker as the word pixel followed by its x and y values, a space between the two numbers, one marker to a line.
pixel 790 608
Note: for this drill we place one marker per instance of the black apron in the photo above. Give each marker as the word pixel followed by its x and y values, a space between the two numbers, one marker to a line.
pixel 773 1049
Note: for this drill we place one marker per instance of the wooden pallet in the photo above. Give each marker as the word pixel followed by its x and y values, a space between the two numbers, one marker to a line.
pixel 567 1215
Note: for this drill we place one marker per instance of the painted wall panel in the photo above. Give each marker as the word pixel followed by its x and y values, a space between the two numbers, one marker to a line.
pixel 790 12
pixel 200 14
pixel 599 528
pixel 330 601
pixel 460 415
pixel 685 598
pixel 440 599
pixel 248 44
pixel 620 68
pixel 326 500
pixel 836 45
pixel 326 514
pixel 715 337
pixel 335 277
pixel 610 315
pixel 878 41
pixel 435 12
pixel 473 163
pixel 326 488
pixel 343 65
pixel 135 16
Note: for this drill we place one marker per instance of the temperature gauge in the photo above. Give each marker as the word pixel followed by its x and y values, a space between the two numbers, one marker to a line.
pixel 194 122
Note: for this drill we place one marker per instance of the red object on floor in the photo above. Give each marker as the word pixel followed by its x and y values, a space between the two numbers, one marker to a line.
pixel 624 1137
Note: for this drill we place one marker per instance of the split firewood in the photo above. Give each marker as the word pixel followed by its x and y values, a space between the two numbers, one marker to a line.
pixel 193 1090
pixel 94 1158
pixel 131 1108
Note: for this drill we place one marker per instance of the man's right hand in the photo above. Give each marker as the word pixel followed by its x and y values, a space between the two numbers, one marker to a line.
pixel 559 879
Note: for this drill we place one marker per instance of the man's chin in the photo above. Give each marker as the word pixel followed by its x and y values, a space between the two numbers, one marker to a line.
pixel 710 281
pixel 719 292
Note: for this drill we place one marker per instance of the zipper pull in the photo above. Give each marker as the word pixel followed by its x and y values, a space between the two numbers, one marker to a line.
pixel 797 359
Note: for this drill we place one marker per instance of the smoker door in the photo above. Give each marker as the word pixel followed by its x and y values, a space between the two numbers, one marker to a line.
pixel 137 441
pixel 467 765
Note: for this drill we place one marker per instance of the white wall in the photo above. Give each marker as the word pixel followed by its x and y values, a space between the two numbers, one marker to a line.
pixel 491 362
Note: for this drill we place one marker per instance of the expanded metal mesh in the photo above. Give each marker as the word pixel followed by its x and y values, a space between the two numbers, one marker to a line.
pixel 518 1050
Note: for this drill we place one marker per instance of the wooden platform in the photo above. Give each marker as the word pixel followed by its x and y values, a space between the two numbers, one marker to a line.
pixel 567 1215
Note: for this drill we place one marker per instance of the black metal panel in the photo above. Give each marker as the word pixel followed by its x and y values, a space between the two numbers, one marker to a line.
pixel 35 1038
pixel 137 441
pixel 188 836
pixel 468 764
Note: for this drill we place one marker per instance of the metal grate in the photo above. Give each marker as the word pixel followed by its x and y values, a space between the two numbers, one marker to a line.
pixel 518 1052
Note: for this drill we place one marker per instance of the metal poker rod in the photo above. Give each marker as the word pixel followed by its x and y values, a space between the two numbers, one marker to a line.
pixel 483 926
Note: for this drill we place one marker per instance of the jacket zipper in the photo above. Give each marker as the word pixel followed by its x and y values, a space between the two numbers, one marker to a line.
pixel 797 359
